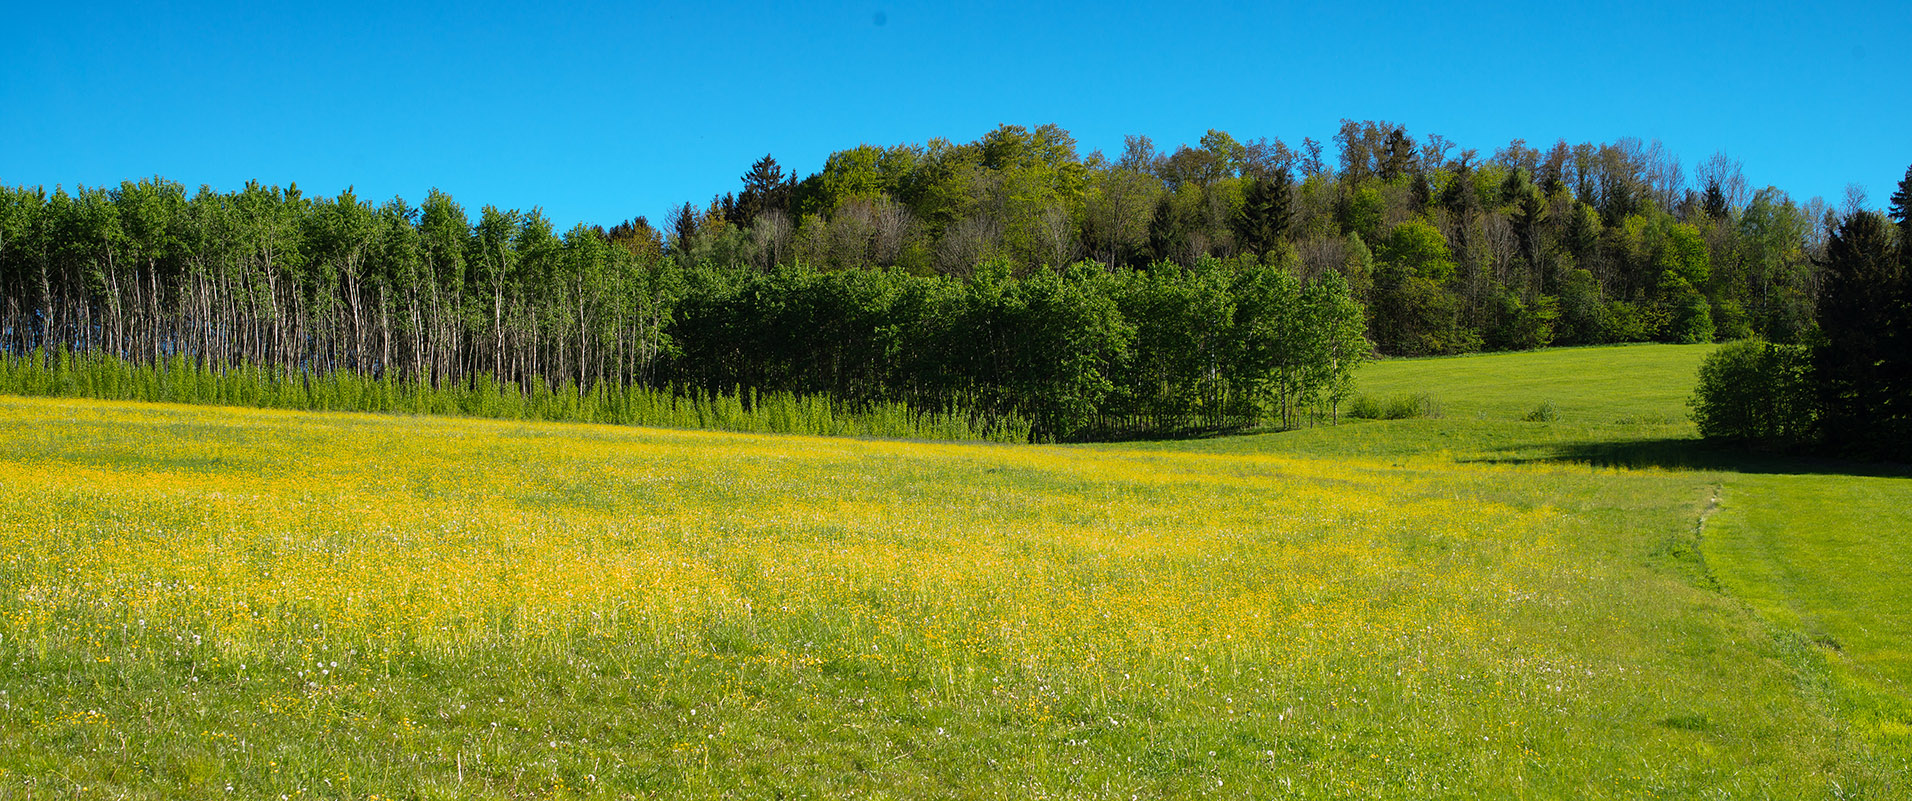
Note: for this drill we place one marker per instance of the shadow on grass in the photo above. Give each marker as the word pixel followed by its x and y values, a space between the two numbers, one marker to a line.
pixel 1696 454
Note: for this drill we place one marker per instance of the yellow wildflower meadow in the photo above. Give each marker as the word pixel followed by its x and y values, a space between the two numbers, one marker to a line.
pixel 345 606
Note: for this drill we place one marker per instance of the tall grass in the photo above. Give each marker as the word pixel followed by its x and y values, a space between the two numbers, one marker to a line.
pixel 60 373
pixel 1394 407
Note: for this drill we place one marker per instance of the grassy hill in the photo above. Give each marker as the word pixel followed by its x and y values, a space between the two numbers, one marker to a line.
pixel 333 605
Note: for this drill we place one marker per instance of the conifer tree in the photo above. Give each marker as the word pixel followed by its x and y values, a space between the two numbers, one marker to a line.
pixel 1168 235
pixel 1861 366
pixel 1263 219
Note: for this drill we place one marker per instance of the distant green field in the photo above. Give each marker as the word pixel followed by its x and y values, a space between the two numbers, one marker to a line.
pixel 1625 385
pixel 1473 605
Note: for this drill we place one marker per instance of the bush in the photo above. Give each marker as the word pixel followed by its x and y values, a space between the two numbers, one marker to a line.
pixel 1755 391
pixel 1544 413
pixel 1398 407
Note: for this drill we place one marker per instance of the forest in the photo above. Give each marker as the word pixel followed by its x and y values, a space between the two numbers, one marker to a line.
pixel 1226 284
pixel 1448 251
pixel 1849 388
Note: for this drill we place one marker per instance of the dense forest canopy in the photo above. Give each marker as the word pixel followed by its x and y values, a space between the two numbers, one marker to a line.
pixel 1448 250
pixel 1228 282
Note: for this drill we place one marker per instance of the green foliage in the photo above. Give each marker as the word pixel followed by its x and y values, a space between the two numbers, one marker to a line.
pixel 1688 318
pixel 1681 252
pixel 1263 220
pixel 1900 209
pixel 1772 243
pixel 1466 253
pixel 1626 322
pixel 1862 365
pixel 1056 354
pixel 1523 326
pixel 852 173
pixel 1417 248
pixel 1730 321
pixel 1337 329
pixel 1413 316
pixel 1755 391
pixel 1362 213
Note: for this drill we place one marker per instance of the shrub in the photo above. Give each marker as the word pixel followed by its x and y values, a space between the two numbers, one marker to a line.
pixel 1544 413
pixel 1755 391
pixel 1398 407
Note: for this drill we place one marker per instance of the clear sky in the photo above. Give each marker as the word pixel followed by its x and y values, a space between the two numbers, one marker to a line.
pixel 601 112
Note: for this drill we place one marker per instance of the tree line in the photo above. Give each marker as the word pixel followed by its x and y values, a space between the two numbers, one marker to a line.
pixel 1448 249
pixel 1849 388
pixel 1225 283
pixel 426 296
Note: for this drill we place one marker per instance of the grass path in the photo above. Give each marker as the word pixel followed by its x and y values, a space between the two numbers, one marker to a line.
pixel 1822 551
pixel 1829 559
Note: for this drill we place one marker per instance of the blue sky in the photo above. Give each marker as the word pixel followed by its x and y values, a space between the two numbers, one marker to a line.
pixel 601 112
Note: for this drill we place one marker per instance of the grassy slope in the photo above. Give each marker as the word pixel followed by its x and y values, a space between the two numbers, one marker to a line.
pixel 1461 606
pixel 1616 385
pixel 1820 550
pixel 1612 405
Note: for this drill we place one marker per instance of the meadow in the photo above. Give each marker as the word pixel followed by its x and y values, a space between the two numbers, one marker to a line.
pixel 205 601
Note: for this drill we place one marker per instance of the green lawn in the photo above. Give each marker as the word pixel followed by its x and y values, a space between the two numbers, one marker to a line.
pixel 1828 560
pixel 1627 385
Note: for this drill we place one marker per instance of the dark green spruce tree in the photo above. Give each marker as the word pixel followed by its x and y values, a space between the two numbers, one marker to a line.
pixel 1168 233
pixel 1264 215
pixel 1861 366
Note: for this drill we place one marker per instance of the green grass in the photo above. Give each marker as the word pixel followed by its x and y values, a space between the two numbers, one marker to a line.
pixel 1474 605
pixel 1819 550
pixel 1828 560
pixel 1628 385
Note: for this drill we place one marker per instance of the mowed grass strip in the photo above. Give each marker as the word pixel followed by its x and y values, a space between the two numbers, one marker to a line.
pixel 1828 558
pixel 1821 549
pixel 354 606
